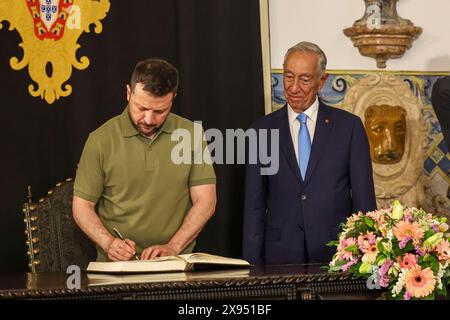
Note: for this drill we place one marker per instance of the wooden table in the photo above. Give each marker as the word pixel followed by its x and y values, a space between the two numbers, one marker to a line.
pixel 287 282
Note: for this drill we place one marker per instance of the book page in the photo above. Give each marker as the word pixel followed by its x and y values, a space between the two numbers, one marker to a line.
pixel 159 264
pixel 198 258
pixel 183 262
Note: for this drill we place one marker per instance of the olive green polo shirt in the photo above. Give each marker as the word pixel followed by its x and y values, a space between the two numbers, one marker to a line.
pixel 136 185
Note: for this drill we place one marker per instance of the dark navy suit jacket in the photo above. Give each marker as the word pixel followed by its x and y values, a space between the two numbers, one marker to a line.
pixel 440 99
pixel 288 220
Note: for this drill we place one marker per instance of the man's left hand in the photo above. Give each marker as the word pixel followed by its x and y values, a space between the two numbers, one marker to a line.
pixel 158 251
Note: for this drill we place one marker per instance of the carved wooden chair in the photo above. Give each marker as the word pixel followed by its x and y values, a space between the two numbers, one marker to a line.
pixel 54 240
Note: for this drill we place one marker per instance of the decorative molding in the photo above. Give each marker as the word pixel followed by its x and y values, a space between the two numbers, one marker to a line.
pixel 292 287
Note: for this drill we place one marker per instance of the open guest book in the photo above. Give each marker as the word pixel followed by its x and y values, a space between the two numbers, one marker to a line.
pixel 182 262
pixel 96 279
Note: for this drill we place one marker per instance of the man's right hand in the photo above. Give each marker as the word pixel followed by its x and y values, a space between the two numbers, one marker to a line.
pixel 121 250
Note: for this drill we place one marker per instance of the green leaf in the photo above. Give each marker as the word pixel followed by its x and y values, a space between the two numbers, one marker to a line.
pixel 380 246
pixel 360 227
pixel 369 222
pixel 354 269
pixel 395 248
pixel 379 258
pixel 353 248
pixel 334 243
pixel 337 266
pixel 334 269
pixel 428 234
pixel 431 296
pixel 442 292
pixel 429 258
pixel 409 247
pixel 434 266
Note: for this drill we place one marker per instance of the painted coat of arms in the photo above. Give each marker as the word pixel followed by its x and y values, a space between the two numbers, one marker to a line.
pixel 50 30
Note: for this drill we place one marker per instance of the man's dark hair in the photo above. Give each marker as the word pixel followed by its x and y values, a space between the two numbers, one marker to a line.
pixel 158 76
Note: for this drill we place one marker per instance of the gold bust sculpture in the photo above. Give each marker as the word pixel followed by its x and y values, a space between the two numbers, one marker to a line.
pixel 386 129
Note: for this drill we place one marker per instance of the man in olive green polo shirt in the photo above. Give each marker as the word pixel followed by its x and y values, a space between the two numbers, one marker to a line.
pixel 127 174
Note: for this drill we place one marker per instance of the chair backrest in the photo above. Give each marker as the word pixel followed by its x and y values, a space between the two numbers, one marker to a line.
pixel 54 239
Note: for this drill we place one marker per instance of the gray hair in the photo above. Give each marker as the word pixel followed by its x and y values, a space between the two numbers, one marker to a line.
pixel 305 46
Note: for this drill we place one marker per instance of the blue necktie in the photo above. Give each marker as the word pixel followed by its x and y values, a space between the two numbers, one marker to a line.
pixel 304 144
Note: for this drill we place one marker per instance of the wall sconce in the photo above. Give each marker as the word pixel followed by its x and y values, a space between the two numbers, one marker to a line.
pixel 381 33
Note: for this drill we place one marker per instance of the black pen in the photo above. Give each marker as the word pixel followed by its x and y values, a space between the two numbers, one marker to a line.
pixel 123 239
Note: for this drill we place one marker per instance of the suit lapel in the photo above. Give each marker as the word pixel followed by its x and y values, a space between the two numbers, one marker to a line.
pixel 323 129
pixel 287 146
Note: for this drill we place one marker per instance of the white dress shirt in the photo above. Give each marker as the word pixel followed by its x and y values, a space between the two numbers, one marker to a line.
pixel 294 124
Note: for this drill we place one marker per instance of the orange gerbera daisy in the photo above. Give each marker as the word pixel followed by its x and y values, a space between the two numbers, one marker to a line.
pixel 405 229
pixel 419 283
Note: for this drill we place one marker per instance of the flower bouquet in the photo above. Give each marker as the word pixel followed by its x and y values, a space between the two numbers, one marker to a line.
pixel 404 250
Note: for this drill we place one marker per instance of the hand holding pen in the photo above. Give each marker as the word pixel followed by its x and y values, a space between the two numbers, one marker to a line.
pixel 122 249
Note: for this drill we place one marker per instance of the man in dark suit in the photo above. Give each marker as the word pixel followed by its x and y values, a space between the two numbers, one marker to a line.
pixel 440 99
pixel 324 175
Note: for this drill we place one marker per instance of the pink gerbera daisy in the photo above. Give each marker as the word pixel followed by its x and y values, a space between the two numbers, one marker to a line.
pixel 409 260
pixel 419 283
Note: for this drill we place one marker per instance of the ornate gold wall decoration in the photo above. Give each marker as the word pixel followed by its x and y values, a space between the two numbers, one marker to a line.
pixel 381 33
pixel 50 30
pixel 403 179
